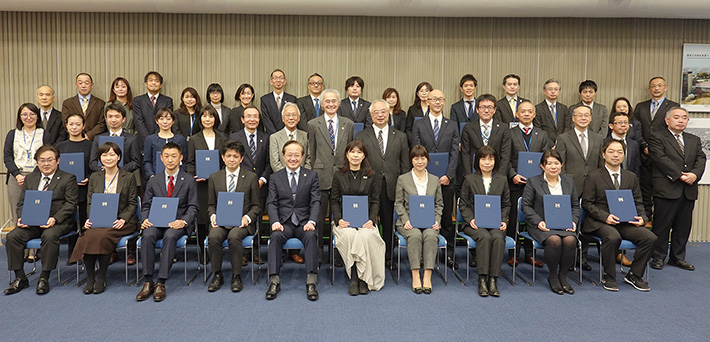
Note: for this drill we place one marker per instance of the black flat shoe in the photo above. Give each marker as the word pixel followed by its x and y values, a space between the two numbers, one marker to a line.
pixel 42 286
pixel 17 285
pixel 311 292
pixel 567 289
pixel 555 287
pixel 88 288
pixel 426 290
pixel 354 288
pixel 99 287
pixel 362 286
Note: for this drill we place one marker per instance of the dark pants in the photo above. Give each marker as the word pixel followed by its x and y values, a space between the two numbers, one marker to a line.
pixel 490 244
pixel 279 238
pixel 387 219
pixel 646 183
pixel 49 248
pixel 167 254
pixel 611 237
pixel 234 237
pixel 447 227
pixel 322 227
pixel 678 215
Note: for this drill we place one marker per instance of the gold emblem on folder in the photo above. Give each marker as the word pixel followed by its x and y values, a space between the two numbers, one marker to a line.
pixel 557 205
pixel 36 201
pixel 355 205
pixel 207 158
pixel 621 199
pixel 230 202
pixel 104 204
pixel 165 206
pixel 71 162
pixel 530 161
pixel 488 205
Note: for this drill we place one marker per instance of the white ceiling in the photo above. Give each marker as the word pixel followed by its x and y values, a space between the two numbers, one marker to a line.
pixel 691 9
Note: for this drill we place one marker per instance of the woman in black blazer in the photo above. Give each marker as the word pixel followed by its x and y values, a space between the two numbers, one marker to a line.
pixel 187 123
pixel 245 98
pixel 420 107
pixel 490 242
pixel 215 96
pixel 398 118
pixel 559 244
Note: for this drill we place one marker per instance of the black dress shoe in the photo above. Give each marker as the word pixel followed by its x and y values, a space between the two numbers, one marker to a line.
pixel 567 289
pixel 237 283
pixel 146 291
pixel 311 292
pixel 586 267
pixel 472 262
pixel 354 288
pixel 273 291
pixel 257 260
pixel 216 282
pixel 88 287
pixel 682 264
pixel 338 261
pixel 555 286
pixel 451 264
pixel 17 285
pixel 364 289
pixel 42 286
pixel 493 287
pixel 244 261
pixel 657 264
pixel 482 287
pixel 99 287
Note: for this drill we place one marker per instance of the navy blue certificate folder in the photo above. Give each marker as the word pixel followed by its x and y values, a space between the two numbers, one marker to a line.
pixel 621 204
pixel 118 141
pixel 159 166
pixel 438 163
pixel 163 210
pixel 421 211
pixel 35 208
pixel 558 211
pixel 357 128
pixel 229 209
pixel 529 164
pixel 487 211
pixel 72 163
pixel 104 210
pixel 355 210
pixel 206 163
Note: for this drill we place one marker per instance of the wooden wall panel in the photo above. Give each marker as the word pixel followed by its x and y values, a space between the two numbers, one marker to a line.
pixel 467 46
pixel 562 56
pixel 178 54
pixel 275 46
pixel 610 43
pixel 515 44
pixel 658 52
pixel 374 54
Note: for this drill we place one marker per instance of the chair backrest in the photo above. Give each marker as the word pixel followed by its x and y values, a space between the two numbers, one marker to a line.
pixel 521 215
pixel 582 214
pixel 138 211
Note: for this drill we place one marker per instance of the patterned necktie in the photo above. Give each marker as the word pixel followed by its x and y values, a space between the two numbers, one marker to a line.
pixel 46 183
pixel 354 108
pixel 526 130
pixel 513 105
pixel 470 109
pixel 278 102
pixel 616 180
pixel 45 118
pixel 290 136
pixel 436 130
pixel 232 184
pixel 331 131
pixel 654 108
pixel 583 142
pixel 252 146
pixel 171 186
pixel 680 143
pixel 553 111
pixel 486 134
pixel 84 104
pixel 152 100
pixel 317 107
pixel 294 186
pixel 381 142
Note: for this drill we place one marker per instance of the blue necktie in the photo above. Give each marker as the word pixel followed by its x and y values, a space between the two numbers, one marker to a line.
pixel 232 184
pixel 331 131
pixel 436 130
pixel 294 186
pixel 252 146
pixel 470 109
pixel 317 107
pixel 354 108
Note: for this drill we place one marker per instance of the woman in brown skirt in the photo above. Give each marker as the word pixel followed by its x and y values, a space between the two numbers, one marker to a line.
pixel 97 243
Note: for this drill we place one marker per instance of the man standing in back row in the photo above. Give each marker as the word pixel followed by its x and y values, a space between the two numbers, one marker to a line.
pixel 272 103
pixel 89 106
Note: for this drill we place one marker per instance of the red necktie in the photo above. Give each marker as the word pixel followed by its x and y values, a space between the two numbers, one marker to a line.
pixel 152 100
pixel 171 186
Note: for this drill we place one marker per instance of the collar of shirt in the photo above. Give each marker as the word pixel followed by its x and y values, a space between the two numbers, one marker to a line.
pixel 48 112
pixel 611 173
pixel 156 96
pixel 550 103
pixel 578 132
pixel 278 95
pixel 616 137
pixel 674 135
pixel 489 124
pixel 313 98
pixel 288 173
pixel 247 134
pixel 335 122
pixel 590 105
pixel 87 97
pixel 235 173
pixel 291 132
pixel 174 176
pixel 384 130
pixel 50 176
pixel 508 98
pixel 660 101
pixel 118 133
pixel 357 100
pixel 544 179
pixel 521 126
pixel 432 118
pixel 216 106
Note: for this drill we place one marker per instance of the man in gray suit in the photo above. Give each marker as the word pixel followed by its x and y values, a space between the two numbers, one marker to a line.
pixel 309 105
pixel 507 106
pixel 291 116
pixel 552 116
pixel 327 136
pixel 600 114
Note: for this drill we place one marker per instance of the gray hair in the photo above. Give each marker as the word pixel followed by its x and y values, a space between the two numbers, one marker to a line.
pixel 552 80
pixel 290 104
pixel 372 105
pixel 337 95
pixel 668 113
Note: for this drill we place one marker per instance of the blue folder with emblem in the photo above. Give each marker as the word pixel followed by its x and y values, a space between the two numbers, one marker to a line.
pixel 229 209
pixel 104 210
pixel 558 211
pixel 421 211
pixel 355 210
pixel 159 166
pixel 35 207
pixel 206 163
pixel 118 141
pixel 529 164
pixel 621 204
pixel 357 128
pixel 487 212
pixel 438 163
pixel 163 210
pixel 73 163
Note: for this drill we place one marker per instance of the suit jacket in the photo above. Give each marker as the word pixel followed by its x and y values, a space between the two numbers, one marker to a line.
pixel 594 200
pixel 472 140
pixel 276 144
pixel 198 142
pixel 669 162
pixel 400 122
pixel 423 134
pixel 224 124
pixel 363 111
pixel 246 183
pixel 282 204
pixel 235 120
pixel 261 165
pixel 131 152
pixel 182 124
pixel 412 116
pixel 576 165
pixel 546 122
pixel 324 161
pixel 185 189
pixel 64 195
pixel 600 117
pixel 473 185
pixel 95 122
pixel 539 142
pixel 270 113
pixel 642 112
pixel 125 187
pixel 503 111
pixel 308 111
pixel 633 156
pixel 533 205
pixel 144 114
pixel 458 112
pixel 395 161
pixel 406 187
pixel 55 130
pixel 367 186
pixel 9 153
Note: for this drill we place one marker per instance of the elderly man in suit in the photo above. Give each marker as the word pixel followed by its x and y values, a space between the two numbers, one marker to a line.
pixel 602 223
pixel 552 116
pixel 354 107
pixel 678 163
pixel 51 118
pixel 172 182
pixel 291 116
pixel 272 103
pixel 47 177
pixel 294 205
pixel 309 105
pixel 147 105
pixel 600 114
pixel 507 106
pixel 89 106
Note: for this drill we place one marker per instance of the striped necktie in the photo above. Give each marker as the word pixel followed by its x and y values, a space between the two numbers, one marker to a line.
pixel 232 184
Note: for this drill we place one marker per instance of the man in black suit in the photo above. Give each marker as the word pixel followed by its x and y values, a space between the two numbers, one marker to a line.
pixel 115 117
pixel 678 163
pixel 485 132
pixel 231 179
pixel 602 223
pixel 51 118
pixel 618 130
pixel 272 103
pixel 353 107
pixel 294 205
pixel 47 177
pixel 309 105
pixel 172 182
pixel 388 154
pixel 147 105
pixel 464 110
pixel 256 158
pixel 552 116
pixel 600 114
pixel 441 135
pixel 507 107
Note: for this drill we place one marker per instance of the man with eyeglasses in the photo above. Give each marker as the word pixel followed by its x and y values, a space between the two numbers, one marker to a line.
pixel 272 103
pixel 552 116
pixel 309 105
pixel 618 129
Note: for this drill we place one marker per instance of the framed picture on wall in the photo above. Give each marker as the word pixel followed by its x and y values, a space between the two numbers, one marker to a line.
pixel 695 78
pixel 701 128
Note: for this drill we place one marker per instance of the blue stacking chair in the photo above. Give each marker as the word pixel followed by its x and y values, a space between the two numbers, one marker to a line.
pixel 402 243
pixel 247 242
pixel 180 244
pixel 624 246
pixel 123 242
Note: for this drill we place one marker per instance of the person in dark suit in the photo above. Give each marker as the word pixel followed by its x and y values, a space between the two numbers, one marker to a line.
pixel 215 96
pixel 172 182
pixel 353 106
pixel 272 103
pixel 419 107
pixel 232 179
pixel 86 104
pixel 165 120
pixel 552 116
pixel 51 118
pixel 256 158
pixel 147 105
pixel 464 110
pixel 600 114
pixel 490 241
pixel 623 105
pixel 600 222
pixel 485 132
pixel 441 135
pixel 47 177
pixel 397 117
pixel 293 205
pixel 678 163
pixel 97 243
pixel 388 162
pixel 309 105
pixel 187 122
pixel 559 244
pixel 244 97
pixel 507 106
pixel 131 154
pixel 619 130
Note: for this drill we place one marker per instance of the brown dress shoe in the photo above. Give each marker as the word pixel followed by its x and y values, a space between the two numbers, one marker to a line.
pixel 511 260
pixel 537 263
pixel 131 258
pixel 145 292
pixel 297 259
pixel 621 259
pixel 159 293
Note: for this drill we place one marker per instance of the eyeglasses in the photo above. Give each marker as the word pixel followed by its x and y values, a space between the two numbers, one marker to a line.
pixel 278 78
pixel 25 115
pixel 583 115
pixel 620 122
pixel 489 108
pixel 383 111
pixel 437 99
pixel 46 161
pixel 315 84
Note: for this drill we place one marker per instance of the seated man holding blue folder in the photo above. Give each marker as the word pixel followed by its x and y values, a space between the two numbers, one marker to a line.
pixel 609 227
pixel 47 177
pixel 173 183
pixel 233 179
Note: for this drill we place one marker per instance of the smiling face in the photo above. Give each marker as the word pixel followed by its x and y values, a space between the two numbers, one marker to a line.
pixel 582 117
pixel 293 155
pixel 278 81
pixel 315 85
pixel 485 110
pixel 120 89
pixel 109 159
pixel 379 114
pixel 216 97
pixel 423 93
pixel 189 100
pixel 419 163
pixel 658 88
pixel 620 126
pixel 392 100
pixel 436 102
pixel 153 84
pixel 355 157
pixel 613 155
pixel 114 119
pixel 250 118
pixel 290 118
pixel 45 97
pixel 28 117
pixel 47 162
pixel 526 113
pixel 330 103
pixel 75 126
pixel 621 106
pixel 246 97
pixel 552 167
pixel 486 164
pixel 207 120
pixel 165 122
pixel 84 85
pixel 467 89
pixel 511 86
